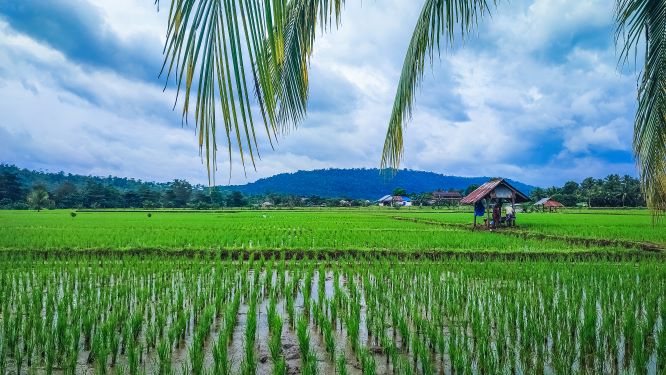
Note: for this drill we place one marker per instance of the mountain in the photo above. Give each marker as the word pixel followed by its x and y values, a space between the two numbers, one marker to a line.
pixel 325 183
pixel 359 183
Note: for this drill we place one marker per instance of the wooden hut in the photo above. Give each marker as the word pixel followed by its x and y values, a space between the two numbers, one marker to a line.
pixel 495 191
pixel 550 204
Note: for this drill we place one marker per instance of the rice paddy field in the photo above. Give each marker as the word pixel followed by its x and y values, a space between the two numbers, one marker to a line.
pixel 331 291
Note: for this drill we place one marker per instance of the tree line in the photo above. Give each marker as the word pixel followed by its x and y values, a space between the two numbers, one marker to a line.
pixel 176 194
pixel 612 191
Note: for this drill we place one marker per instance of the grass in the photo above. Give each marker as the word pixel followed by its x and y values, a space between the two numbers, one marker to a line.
pixel 312 230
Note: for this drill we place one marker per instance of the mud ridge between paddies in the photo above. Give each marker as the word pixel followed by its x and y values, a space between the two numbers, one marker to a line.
pixel 333 255
pixel 515 232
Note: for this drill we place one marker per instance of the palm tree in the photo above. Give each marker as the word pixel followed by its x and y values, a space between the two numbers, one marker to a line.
pixel 228 50
pixel 38 198
pixel 641 23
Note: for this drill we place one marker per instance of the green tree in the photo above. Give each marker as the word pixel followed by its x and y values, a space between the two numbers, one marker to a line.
pixel 236 199
pixel 132 199
pixel 67 195
pixel 11 189
pixel 38 198
pixel 470 189
pixel 179 193
pixel 570 188
pixel 399 191
pixel 210 43
pixel 537 193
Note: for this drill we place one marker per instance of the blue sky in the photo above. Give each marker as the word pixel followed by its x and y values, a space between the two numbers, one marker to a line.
pixel 536 95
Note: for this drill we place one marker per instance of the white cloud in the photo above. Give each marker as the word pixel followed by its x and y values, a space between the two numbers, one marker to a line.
pixel 532 98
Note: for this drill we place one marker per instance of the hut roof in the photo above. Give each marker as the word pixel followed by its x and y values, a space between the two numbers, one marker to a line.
pixel 552 203
pixel 486 189
pixel 541 201
pixel 446 194
pixel 386 198
pixel 547 202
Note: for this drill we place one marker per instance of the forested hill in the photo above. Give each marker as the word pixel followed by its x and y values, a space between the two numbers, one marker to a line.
pixel 326 183
pixel 359 183
pixel 52 180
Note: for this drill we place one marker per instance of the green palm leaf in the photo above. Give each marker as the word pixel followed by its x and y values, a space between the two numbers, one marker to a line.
pixel 211 48
pixel 643 22
pixel 440 20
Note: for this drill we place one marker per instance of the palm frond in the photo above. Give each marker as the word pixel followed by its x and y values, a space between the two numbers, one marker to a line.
pixel 643 23
pixel 212 47
pixel 439 21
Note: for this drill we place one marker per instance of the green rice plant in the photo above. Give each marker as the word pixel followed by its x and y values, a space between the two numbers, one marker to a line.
pixel 329 339
pixel 133 353
pixel 18 359
pixel 368 366
pixel 275 335
pixel 196 355
pixel 303 337
pixel 280 367
pixel 220 356
pixel 289 302
pixel 661 347
pixel 164 357
pixel 249 364
pixel 341 365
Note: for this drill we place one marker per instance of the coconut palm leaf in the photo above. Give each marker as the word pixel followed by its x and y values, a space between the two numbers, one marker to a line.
pixel 212 47
pixel 440 21
pixel 642 24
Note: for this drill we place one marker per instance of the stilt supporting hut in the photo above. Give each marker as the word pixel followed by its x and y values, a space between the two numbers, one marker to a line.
pixel 495 191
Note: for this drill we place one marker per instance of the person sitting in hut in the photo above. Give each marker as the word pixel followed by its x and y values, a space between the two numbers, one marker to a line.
pixel 497 215
pixel 510 216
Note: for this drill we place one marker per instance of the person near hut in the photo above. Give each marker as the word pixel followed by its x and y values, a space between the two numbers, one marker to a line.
pixel 510 216
pixel 497 215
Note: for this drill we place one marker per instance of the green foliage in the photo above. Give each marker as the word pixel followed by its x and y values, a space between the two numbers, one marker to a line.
pixel 640 25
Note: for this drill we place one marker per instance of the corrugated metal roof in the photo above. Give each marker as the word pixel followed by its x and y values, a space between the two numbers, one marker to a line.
pixel 386 198
pixel 446 194
pixel 552 203
pixel 484 190
pixel 541 201
pixel 480 192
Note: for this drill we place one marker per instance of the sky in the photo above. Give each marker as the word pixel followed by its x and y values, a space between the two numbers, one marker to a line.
pixel 536 95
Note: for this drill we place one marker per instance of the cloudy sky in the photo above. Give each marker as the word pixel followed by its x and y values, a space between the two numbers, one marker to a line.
pixel 536 96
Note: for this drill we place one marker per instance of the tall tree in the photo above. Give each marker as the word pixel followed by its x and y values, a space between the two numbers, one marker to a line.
pixel 641 25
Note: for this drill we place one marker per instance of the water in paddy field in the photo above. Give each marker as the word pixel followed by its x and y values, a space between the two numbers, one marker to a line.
pixel 507 318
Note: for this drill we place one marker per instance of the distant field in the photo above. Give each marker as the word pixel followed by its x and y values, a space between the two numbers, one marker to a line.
pixel 351 229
